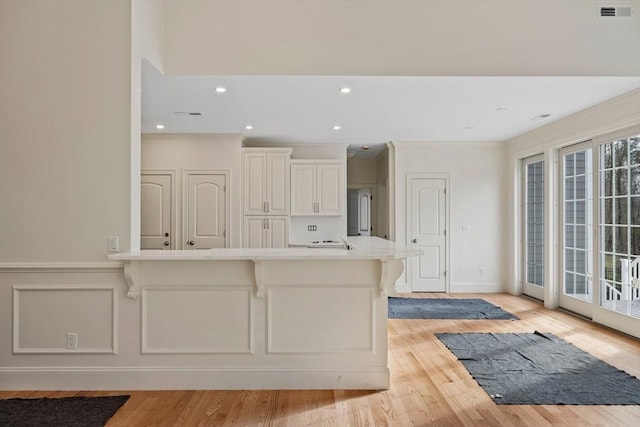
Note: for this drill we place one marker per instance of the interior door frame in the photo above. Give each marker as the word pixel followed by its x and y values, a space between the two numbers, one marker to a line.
pixel 534 290
pixel 447 236
pixel 174 208
pixel 372 209
pixel 227 207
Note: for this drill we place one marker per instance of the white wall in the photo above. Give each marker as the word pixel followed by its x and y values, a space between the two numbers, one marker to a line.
pixel 65 174
pixel 362 171
pixel 477 198
pixel 64 129
pixel 436 37
pixel 147 43
pixel 189 151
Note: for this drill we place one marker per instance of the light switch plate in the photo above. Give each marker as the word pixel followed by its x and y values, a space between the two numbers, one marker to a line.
pixel 113 244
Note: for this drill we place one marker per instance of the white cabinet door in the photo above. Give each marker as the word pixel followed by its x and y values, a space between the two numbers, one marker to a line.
pixel 266 183
pixel 329 189
pixel 317 188
pixel 254 172
pixel 303 189
pixel 155 211
pixel 277 184
pixel 205 211
pixel 278 232
pixel 255 232
pixel 266 232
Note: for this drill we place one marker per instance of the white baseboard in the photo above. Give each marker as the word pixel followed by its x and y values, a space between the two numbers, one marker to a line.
pixel 477 287
pixel 64 378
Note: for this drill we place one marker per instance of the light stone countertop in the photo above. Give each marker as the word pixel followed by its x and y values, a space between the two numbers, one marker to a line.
pixel 361 248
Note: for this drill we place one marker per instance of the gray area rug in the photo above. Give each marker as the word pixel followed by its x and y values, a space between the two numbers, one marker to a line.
pixel 445 308
pixel 68 411
pixel 540 369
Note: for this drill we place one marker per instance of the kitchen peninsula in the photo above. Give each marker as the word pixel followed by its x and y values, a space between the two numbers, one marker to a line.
pixel 294 318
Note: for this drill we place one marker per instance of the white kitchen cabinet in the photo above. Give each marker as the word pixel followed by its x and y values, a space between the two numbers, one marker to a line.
pixel 317 187
pixel 266 181
pixel 266 232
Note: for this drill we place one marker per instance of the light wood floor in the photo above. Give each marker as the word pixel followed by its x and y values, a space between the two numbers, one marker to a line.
pixel 428 385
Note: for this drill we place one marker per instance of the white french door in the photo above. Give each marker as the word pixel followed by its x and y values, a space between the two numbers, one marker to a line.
pixel 576 228
pixel 619 228
pixel 533 198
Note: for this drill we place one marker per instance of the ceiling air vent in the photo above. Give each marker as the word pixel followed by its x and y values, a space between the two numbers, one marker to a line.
pixel 186 113
pixel 615 11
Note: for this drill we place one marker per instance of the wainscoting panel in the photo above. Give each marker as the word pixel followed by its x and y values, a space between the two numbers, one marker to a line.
pixel 196 319
pixel 43 315
pixel 311 319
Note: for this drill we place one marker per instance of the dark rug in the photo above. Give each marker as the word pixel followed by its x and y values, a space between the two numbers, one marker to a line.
pixel 68 411
pixel 540 369
pixel 445 308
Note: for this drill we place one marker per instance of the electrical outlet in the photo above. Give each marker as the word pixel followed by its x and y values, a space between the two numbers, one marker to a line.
pixel 72 340
pixel 113 244
pixel 312 228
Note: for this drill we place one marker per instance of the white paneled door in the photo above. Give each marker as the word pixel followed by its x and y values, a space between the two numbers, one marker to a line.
pixel 205 211
pixel 155 211
pixel 427 230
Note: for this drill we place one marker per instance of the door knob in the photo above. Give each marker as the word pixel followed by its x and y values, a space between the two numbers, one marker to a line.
pixel 166 243
pixel 166 234
pixel 191 243
pixel 415 240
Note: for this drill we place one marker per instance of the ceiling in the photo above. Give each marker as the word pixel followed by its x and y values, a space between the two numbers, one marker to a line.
pixel 305 109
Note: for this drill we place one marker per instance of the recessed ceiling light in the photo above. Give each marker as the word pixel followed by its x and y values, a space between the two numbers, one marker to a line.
pixel 469 128
pixel 221 89
pixel 345 89
pixel 337 127
pixel 159 126
pixel 501 109
pixel 248 127
pixel 365 147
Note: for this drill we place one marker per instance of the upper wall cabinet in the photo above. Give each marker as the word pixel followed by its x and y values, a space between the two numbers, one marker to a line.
pixel 266 181
pixel 317 187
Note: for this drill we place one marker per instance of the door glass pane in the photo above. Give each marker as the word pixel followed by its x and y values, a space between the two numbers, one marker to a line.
pixel 620 244
pixel 534 222
pixel 577 221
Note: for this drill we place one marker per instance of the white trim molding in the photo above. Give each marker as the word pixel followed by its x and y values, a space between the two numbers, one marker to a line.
pixel 18 289
pixel 176 378
pixel 477 287
pixel 60 267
